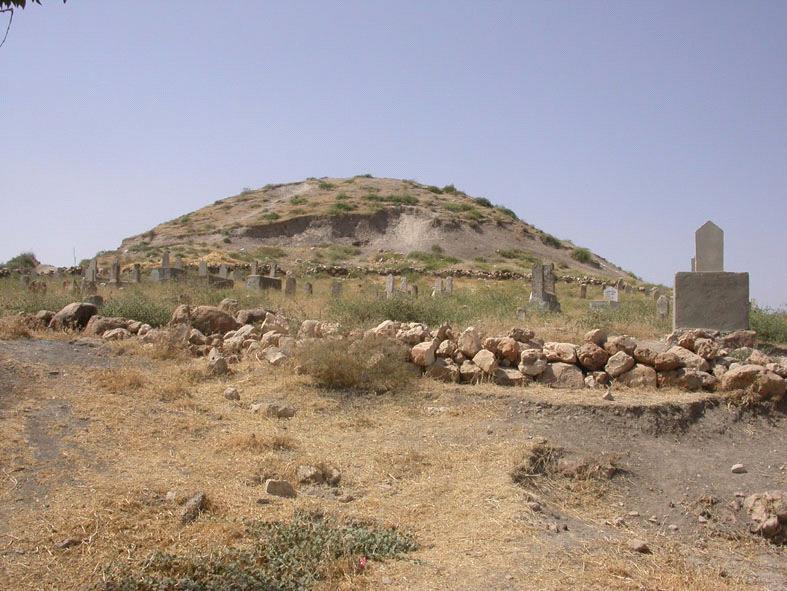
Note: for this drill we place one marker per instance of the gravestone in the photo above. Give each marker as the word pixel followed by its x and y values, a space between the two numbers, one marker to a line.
pixel 662 307
pixel 715 301
pixel 438 286
pixel 203 268
pixel 603 305
pixel 259 282
pixel 414 290
pixel 289 286
pixel 448 285
pixel 583 290
pixel 231 274
pixel 253 270
pixel 136 273
pixel 403 284
pixel 542 293
pixel 165 260
pixel 114 272
pixel 178 263
pixel 709 249
pixel 308 289
pixel 389 286
pixel 274 268
pixel 693 265
pixel 611 294
pixel 336 289
pixel 223 271
pixel 91 273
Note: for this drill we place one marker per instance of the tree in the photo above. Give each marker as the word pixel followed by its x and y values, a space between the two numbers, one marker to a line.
pixel 8 6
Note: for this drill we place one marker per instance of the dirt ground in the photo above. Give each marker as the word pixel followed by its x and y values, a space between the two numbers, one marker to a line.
pixel 92 438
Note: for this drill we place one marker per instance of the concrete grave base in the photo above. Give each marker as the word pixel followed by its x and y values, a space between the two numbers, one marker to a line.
pixel 717 301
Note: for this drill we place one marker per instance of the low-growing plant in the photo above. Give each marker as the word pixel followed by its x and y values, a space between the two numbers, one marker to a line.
pixel 433 260
pixel 294 555
pixel 507 212
pixel 449 189
pixel 373 364
pixel 138 305
pixel 342 197
pixel 298 200
pixel 483 202
pixel 12 328
pixel 24 260
pixel 396 199
pixel 550 240
pixel 325 185
pixel 271 216
pixel 341 207
pixel 433 189
pixel 770 324
pixel 582 255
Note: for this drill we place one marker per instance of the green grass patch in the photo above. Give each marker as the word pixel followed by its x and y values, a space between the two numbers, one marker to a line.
pixel 770 324
pixel 341 207
pixel 582 255
pixel 326 186
pixel 295 555
pixel 395 199
pixel 433 260
pixel 298 200
pixel 550 240
pixel 271 216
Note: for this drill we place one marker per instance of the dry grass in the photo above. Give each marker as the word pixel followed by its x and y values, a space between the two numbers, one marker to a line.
pixel 13 327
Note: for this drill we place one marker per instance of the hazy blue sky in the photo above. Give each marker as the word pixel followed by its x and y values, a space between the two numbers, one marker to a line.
pixel 620 125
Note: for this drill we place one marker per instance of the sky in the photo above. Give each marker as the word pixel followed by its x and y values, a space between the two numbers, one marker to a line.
pixel 622 126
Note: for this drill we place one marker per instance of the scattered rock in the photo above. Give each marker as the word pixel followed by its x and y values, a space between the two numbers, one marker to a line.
pixel 640 546
pixel 279 411
pixel 280 488
pixel 231 393
pixel 738 469
pixel 193 507
pixel 619 363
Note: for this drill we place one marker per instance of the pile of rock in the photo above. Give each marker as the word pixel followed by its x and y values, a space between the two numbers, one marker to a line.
pixel 690 360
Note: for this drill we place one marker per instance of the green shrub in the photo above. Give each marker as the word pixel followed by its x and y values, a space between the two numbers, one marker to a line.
pixel 296 555
pixel 483 202
pixel 24 260
pixel 437 249
pixel 458 207
pixel 138 306
pixel 433 189
pixel 396 199
pixel 550 240
pixel 340 207
pixel 506 211
pixel 226 240
pixel 342 197
pixel 770 324
pixel 326 186
pixel 449 189
pixel 298 200
pixel 373 364
pixel 433 260
pixel 582 255
pixel 271 216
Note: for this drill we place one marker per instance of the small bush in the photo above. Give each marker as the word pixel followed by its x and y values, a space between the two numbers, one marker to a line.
pixel 271 216
pixel 140 306
pixel 771 325
pixel 458 207
pixel 24 260
pixel 437 249
pixel 432 260
pixel 338 208
pixel 582 255
pixel 245 191
pixel 483 202
pixel 550 240
pixel 506 211
pixel 13 327
pixel 433 189
pixel 449 189
pixel 342 197
pixel 299 200
pixel 396 199
pixel 326 186
pixel 371 364
pixel 226 240
pixel 363 176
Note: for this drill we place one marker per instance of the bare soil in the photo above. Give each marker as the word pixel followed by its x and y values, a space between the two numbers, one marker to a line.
pixel 91 461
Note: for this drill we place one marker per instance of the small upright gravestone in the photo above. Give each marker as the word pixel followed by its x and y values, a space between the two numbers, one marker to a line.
pixel 389 286
pixel 662 307
pixel 289 286
pixel 611 294
pixel 336 289
pixel 448 285
pixel 223 271
pixel 203 268
pixel 91 273
pixel 253 270
pixel 308 289
pixel 709 249
pixel 114 272
pixel 274 268
pixel 583 290
pixel 135 273
pixel 542 294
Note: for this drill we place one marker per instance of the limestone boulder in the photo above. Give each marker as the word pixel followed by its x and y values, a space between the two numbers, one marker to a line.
pixel 620 343
pixel 443 370
pixel 469 342
pixel 562 375
pixel 469 372
pixel 739 338
pixel 206 319
pixel 423 354
pixel 413 334
pixel 251 315
pixel 117 334
pixel 508 377
pixel 768 513
pixel 446 349
pixel 619 363
pixel 74 316
pixel 690 380
pixel 639 376
pixel 563 352
pixel 741 377
pixel 689 359
pixel 769 385
pixel 486 360
pixel 521 334
pixel 490 344
pixel 666 361
pixel 597 336
pixel 708 349
pixel 756 357
pixel 645 355
pixel 591 356
pixel 532 362
pixel 98 325
pixel 508 349
pixel 387 328
pixel 309 329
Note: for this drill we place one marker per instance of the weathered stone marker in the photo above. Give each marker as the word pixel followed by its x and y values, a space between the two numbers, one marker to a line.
pixel 542 293
pixel 91 273
pixel 389 286
pixel 662 307
pixel 336 289
pixel 289 286
pixel 223 271
pixel 710 297
pixel 136 273
pixel 253 270
pixel 583 290
pixel 716 301
pixel 709 249
pixel 448 285
pixel 611 294
pixel 261 282
pixel 308 288
pixel 274 268
pixel 114 272
pixel 203 268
